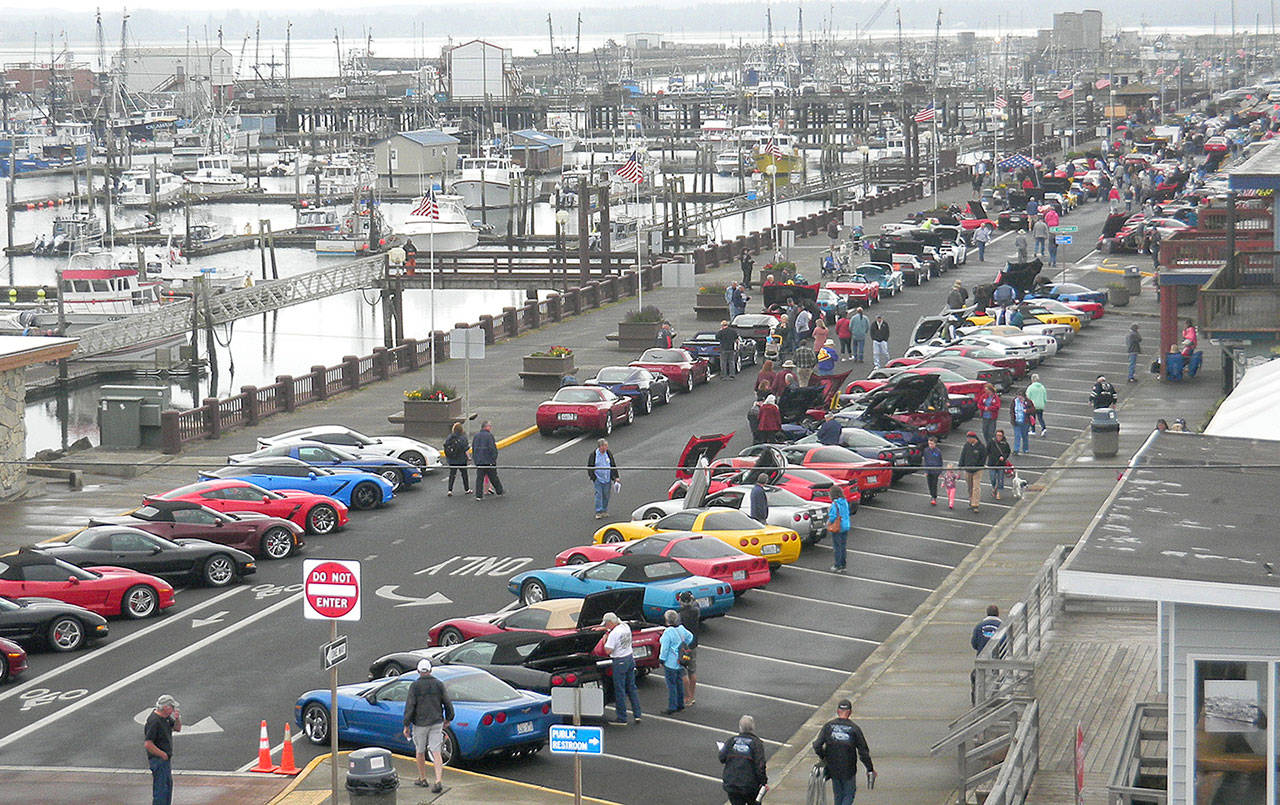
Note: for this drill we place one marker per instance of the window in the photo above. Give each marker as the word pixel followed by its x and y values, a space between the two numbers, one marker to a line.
pixel 315 454
pixel 572 395
pixel 705 548
pixel 680 521
pixel 529 618
pixel 129 541
pixel 608 571
pixel 44 573
pixel 194 517
pixel 731 500
pixel 728 521
pixel 1233 711
pixel 473 653
pixel 651 546
pixel 397 691
pixel 664 570
pixel 236 493
pixel 478 688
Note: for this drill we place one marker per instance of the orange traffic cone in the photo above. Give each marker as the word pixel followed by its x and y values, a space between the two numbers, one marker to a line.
pixel 265 766
pixel 286 754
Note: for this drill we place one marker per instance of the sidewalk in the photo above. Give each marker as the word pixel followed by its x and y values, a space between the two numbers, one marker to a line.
pixel 72 786
pixel 917 681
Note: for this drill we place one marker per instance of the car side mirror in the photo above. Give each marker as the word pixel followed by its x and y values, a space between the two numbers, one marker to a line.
pixel 155 550
pixel 311 475
pixel 73 580
pixel 218 523
pixel 266 499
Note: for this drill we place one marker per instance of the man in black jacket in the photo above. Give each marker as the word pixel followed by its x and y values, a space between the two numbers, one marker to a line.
pixel 840 743
pixel 973 457
pixel 744 764
pixel 602 469
pixel 879 342
pixel 727 338
pixel 427 711
pixel 484 452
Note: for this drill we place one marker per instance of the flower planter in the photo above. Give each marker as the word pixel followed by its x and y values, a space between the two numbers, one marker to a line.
pixel 1118 295
pixel 544 373
pixel 430 418
pixel 710 307
pixel 635 336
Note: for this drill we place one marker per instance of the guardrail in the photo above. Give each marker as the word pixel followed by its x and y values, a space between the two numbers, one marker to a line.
pixel 1143 758
pixel 1244 298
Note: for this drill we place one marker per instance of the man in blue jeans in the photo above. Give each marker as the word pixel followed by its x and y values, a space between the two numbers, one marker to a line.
pixel 157 735
pixel 603 472
pixel 840 745
pixel 618 643
pixel 838 513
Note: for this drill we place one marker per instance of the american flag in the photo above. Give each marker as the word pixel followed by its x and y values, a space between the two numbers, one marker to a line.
pixel 926 114
pixel 1159 71
pixel 1065 93
pixel 632 170
pixel 1028 96
pixel 1001 102
pixel 772 149
pixel 428 208
pixel 1102 83
pixel 1177 70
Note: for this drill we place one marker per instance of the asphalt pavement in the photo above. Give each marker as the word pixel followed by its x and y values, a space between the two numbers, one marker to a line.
pixel 238 656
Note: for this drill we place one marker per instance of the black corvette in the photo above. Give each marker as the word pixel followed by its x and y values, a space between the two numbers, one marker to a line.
pixel 180 560
pixel 62 627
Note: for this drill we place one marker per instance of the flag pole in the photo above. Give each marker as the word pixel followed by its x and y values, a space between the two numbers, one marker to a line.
pixel 1032 134
pixel 431 260
pixel 639 268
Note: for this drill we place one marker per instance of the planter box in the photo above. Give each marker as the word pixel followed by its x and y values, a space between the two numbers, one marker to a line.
pixel 1118 295
pixel 429 419
pixel 540 365
pixel 634 336
pixel 710 307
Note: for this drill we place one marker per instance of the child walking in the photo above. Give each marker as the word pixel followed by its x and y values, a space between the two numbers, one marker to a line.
pixel 949 479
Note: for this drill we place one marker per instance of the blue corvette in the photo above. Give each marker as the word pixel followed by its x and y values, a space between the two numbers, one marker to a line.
pixel 1069 292
pixel 660 578
pixel 358 490
pixel 396 470
pixel 489 716
pixel 646 389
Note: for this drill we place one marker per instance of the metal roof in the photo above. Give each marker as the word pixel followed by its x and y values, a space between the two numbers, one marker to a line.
pixel 1189 523
pixel 1259 172
pixel 539 137
pixel 428 137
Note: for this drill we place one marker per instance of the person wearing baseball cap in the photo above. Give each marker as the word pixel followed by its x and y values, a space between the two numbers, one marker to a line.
pixel 973 457
pixel 157 734
pixel 840 743
pixel 427 711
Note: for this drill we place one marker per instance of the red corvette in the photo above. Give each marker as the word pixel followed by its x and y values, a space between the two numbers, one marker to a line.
pixel 842 464
pixel 681 367
pixel 588 408
pixel 807 484
pixel 855 288
pixel 316 513
pixel 104 590
pixel 13 660
pixel 955 383
pixel 560 616
pixel 699 554
pixel 1017 366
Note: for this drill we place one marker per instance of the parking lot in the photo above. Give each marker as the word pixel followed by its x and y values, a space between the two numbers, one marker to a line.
pixel 238 656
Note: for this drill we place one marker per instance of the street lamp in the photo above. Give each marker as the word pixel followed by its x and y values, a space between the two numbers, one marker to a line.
pixel 866 158
pixel 1088 112
pixel 562 221
pixel 772 170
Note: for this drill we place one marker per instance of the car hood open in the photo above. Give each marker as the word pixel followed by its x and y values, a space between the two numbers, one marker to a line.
pixel 701 447
pixel 627 603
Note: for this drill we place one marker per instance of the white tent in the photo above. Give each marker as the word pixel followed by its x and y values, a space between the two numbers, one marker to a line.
pixel 1249 410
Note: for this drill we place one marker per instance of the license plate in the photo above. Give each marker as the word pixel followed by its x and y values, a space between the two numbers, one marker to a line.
pixel 524 728
pixel 567 416
pixel 739 575
pixel 873 479
pixel 642 651
pixel 704 602
pixel 769 550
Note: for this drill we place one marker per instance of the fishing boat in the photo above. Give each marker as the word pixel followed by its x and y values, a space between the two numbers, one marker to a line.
pixel 214 173
pixel 487 182
pixel 139 188
pixel 354 232
pixel 95 289
pixel 71 231
pixel 342 176
pixel 318 219
pixel 290 161
pixel 183 277
pixel 772 147
pixel 449 232
pixel 732 162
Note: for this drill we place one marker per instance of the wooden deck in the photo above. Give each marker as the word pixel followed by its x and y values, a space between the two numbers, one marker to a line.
pixel 1095 669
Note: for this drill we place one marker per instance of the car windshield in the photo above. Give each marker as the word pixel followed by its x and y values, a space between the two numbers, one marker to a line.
pixel 702 549
pixel 6 605
pixel 479 688
pixel 662 356
pixel 614 374
pixel 835 455
pixel 752 320
pixel 577 395
pixel 705 335
pixel 857 437
pixel 728 521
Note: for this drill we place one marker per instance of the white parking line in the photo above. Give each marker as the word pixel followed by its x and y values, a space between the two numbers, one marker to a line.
pixel 647 716
pixel 168 620
pixel 841 671
pixel 926 494
pixel 566 445
pixel 685 772
pixel 960 493
pixel 275 750
pixel 852 577
pixel 840 604
pixel 886 556
pixel 802 630
pixel 1059 415
pixel 143 673
pixel 891 533
pixel 757 696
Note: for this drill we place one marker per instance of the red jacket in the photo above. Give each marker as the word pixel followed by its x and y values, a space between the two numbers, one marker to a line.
pixel 770 418
pixel 989 405
pixel 842 328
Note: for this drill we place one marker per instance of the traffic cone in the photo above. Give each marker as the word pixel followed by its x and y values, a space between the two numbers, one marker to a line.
pixel 286 754
pixel 265 766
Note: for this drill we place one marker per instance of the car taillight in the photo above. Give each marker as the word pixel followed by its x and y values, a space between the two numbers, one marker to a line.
pixel 744 542
pixel 884 455
pixel 795 517
pixel 500 718
pixel 557 680
pixel 486 719
pixel 546 708
pixel 571 679
pixel 630 387
pixel 806 515
pixel 755 540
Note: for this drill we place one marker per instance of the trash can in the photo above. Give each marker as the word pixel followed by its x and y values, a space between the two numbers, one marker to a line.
pixel 1133 280
pixel 1104 433
pixel 370 771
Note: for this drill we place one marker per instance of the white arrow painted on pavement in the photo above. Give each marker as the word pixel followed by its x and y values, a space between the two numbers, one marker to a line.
pixel 216 617
pixel 388 591
pixel 204 726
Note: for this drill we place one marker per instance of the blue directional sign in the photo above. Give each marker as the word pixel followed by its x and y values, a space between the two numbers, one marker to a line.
pixel 1064 240
pixel 566 739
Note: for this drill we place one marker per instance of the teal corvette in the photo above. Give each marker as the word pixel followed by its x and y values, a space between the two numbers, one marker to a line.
pixel 661 579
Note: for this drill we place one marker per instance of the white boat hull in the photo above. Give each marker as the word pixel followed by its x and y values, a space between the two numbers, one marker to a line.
pixel 447 237
pixel 494 195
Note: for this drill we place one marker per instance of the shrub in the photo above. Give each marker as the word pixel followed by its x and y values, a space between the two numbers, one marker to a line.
pixel 716 289
pixel 439 392
pixel 554 352
pixel 648 313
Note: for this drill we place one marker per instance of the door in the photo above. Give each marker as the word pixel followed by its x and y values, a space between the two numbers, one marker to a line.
pixel 55 581
pixel 199 524
pixel 146 553
pixel 380 719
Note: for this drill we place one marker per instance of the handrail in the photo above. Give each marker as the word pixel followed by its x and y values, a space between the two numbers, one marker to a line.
pixel 1016 773
pixel 1123 788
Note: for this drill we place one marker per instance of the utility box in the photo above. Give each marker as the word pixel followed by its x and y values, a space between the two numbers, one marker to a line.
pixel 1104 433
pixel 121 408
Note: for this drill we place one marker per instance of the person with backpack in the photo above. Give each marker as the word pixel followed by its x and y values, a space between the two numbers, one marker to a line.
pixel 1039 397
pixel 455 455
pixel 838 518
pixel 1103 394
pixel 769 422
pixel 1021 414
pixel 671 647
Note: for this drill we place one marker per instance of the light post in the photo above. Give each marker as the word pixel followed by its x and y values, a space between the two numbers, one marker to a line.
pixel 866 158
pixel 562 221
pixel 1088 112
pixel 772 171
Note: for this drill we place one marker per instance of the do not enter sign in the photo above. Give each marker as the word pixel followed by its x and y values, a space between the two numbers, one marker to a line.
pixel 331 589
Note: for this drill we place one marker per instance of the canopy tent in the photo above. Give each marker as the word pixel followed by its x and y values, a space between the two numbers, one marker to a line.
pixel 1014 162
pixel 1248 411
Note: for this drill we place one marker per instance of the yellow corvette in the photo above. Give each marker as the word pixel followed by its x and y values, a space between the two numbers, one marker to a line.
pixel 781 546
pixel 1039 314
